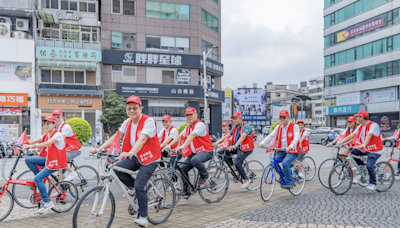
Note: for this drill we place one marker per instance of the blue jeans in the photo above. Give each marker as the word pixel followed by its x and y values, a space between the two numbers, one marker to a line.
pixel 31 162
pixel 287 159
pixel 398 164
pixel 372 158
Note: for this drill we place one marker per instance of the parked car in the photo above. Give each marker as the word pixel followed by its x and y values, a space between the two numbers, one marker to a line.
pixel 325 128
pixel 322 136
pixel 265 130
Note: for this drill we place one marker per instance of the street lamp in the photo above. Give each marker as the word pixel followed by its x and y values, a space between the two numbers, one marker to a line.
pixel 205 86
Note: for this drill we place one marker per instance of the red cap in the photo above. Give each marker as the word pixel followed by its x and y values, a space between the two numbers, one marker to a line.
pixel 225 124
pixel 352 119
pixel 57 112
pixel 134 99
pixel 166 117
pixel 190 110
pixel 300 121
pixel 50 118
pixel 283 113
pixel 363 114
pixel 236 114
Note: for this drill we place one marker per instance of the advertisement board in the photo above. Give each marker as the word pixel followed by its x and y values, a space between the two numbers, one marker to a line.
pixel 8 130
pixel 183 76
pixel 301 115
pixel 348 98
pixel 227 105
pixel 330 102
pixel 387 122
pixel 379 95
pixel 344 109
pixel 360 29
pixel 277 109
pixel 250 103
pixel 10 111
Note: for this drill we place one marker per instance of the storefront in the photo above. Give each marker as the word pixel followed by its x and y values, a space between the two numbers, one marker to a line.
pixel 14 115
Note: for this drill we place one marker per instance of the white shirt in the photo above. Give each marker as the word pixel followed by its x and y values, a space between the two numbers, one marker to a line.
pixel 200 130
pixel 374 129
pixel 296 138
pixel 60 144
pixel 173 133
pixel 66 130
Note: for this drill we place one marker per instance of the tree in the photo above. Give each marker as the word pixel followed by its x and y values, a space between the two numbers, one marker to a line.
pixel 81 127
pixel 398 126
pixel 114 113
pixel 274 125
pixel 182 127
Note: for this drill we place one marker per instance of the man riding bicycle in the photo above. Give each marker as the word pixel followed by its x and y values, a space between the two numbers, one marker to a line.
pixel 288 135
pixel 166 135
pixel 242 143
pixel 141 143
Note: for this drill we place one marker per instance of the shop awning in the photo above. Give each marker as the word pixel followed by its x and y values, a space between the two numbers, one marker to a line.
pixel 87 65
pixel 70 92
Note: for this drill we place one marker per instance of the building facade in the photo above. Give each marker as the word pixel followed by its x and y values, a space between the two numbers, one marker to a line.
pixel 153 49
pixel 362 58
pixel 316 93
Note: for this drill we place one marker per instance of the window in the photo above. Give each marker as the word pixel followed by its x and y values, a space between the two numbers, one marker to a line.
pixel 318 112
pixel 168 77
pixel 205 46
pixel 123 74
pixel 167 11
pixel 123 40
pixel 167 43
pixel 216 1
pixel 209 20
pixel 70 5
pixel 71 32
pixel 329 2
pixel 171 111
pixel 277 94
pixel 123 7
pixel 68 76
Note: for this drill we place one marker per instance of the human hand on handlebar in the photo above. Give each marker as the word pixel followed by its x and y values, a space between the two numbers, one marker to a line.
pixel 94 150
pixel 124 155
pixel 166 147
pixel 289 148
pixel 260 145
pixel 179 148
pixel 231 148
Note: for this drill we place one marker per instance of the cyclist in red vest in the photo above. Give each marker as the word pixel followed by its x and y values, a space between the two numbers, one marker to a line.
pixel 53 157
pixel 225 128
pixel 73 147
pixel 288 136
pixel 304 144
pixel 369 134
pixel 242 143
pixel 198 139
pixel 142 145
pixel 166 135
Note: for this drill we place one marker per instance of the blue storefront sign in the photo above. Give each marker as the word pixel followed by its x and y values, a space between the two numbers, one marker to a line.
pixel 68 54
pixel 254 117
pixel 344 109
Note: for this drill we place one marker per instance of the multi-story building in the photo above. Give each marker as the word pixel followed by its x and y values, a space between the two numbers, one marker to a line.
pixel 153 49
pixel 17 70
pixel 362 58
pixel 68 53
pixel 316 93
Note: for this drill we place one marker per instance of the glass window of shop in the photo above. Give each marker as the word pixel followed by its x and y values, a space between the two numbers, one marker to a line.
pixel 71 5
pixel 167 43
pixel 389 18
pixel 156 75
pixel 205 47
pixel 123 73
pixel 167 11
pixel 70 32
pixel 209 20
pixel 366 73
pixel 67 76
pixel 22 121
pixel 172 111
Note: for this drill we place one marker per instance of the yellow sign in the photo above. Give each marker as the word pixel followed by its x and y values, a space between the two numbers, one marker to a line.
pixel 294 109
pixel 340 36
pixel 227 105
pixel 228 92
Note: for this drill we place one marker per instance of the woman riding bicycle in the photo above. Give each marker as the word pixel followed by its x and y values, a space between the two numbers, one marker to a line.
pixel 304 144
pixel 53 157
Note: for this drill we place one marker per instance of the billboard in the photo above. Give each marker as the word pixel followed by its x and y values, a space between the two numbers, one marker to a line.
pixel 348 98
pixel 250 103
pixel 360 29
pixel 227 105
pixel 330 102
pixel 379 95
pixel 387 122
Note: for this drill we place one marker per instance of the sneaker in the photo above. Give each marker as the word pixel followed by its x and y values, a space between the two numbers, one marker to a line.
pixel 185 195
pixel 355 181
pixel 230 170
pixel 45 207
pixel 397 172
pixel 70 176
pixel 288 186
pixel 371 187
pixel 203 181
pixel 301 175
pixel 142 221
pixel 177 186
pixel 246 184
pixel 131 191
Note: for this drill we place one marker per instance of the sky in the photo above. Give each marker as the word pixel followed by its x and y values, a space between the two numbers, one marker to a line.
pixel 271 41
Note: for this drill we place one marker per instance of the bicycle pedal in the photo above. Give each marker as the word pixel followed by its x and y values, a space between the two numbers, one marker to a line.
pixel 138 225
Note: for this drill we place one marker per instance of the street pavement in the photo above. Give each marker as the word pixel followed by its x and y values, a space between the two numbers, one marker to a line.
pixel 315 207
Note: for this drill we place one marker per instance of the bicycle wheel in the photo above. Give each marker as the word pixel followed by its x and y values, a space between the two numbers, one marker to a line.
pixel 6 204
pixel 23 194
pixel 161 202
pixel 299 181
pixel 363 181
pixel 384 176
pixel 267 183
pixel 309 167
pixel 102 166
pixel 325 169
pixel 254 170
pixel 64 204
pixel 87 178
pixel 217 185
pixel 340 179
pixel 177 181
pixel 87 214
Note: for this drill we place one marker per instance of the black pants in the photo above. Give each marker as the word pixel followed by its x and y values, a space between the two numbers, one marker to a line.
pixel 228 157
pixel 145 172
pixel 241 156
pixel 358 153
pixel 172 160
pixel 196 160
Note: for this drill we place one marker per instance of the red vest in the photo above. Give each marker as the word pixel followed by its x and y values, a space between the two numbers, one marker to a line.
pixel 247 144
pixel 163 137
pixel 55 158
pixel 71 143
pixel 187 151
pixel 305 145
pixel 150 151
pixel 226 143
pixel 289 138
pixel 375 143
pixel 200 143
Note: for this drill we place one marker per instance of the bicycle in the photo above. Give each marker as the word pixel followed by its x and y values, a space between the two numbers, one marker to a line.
pixel 268 178
pixel 390 156
pixel 159 190
pixel 252 173
pixel 342 172
pixel 58 193
pixel 326 167
pixel 217 177
pixel 309 167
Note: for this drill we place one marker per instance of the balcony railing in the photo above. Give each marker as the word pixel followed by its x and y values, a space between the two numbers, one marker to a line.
pixel 72 44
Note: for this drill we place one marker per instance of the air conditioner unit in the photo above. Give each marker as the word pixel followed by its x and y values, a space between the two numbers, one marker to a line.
pixel 20 35
pixel 5 20
pixel 5 30
pixel 22 24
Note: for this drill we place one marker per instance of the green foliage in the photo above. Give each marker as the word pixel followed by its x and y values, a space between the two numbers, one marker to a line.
pixel 398 126
pixel 114 113
pixel 274 125
pixel 81 127
pixel 180 128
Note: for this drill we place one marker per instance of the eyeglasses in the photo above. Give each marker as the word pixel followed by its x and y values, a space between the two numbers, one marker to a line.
pixel 189 114
pixel 132 109
pixel 282 117
pixel 47 123
pixel 165 121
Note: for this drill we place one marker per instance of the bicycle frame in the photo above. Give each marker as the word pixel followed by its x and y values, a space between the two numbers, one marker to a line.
pixel 351 158
pixel 223 156
pixel 275 165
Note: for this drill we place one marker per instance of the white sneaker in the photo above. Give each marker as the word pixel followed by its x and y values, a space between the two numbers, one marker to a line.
pixel 131 191
pixel 246 183
pixel 371 187
pixel 45 207
pixel 355 181
pixel 177 186
pixel 70 176
pixel 142 221
pixel 301 175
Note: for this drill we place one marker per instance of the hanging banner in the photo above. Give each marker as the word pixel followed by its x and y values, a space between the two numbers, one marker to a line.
pixel 10 111
pixel 250 103
pixel 227 105
pixel 379 95
pixel 360 29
